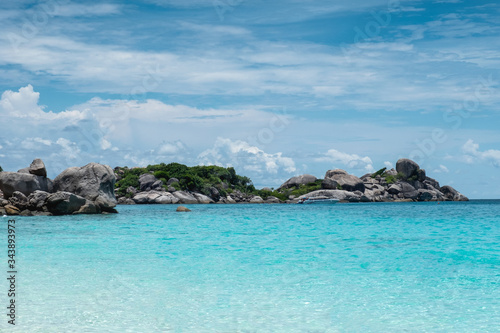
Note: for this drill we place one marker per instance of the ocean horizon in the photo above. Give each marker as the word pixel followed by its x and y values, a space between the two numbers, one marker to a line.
pixel 361 267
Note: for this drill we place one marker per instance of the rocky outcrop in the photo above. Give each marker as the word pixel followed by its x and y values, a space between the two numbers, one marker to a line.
pixel 297 181
pixel 37 168
pixel 25 183
pixel 407 167
pixel 346 181
pixel 94 182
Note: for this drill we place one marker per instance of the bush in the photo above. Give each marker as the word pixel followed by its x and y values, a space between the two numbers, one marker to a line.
pixel 379 173
pixel 1 169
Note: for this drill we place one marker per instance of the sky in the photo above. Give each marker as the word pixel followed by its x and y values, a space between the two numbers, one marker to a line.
pixel 273 88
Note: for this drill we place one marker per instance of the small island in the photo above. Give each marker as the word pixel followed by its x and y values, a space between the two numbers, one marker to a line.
pixel 97 189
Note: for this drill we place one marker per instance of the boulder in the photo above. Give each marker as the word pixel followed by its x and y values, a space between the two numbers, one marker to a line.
pixel 408 191
pixel 64 203
pixel 131 190
pixel 407 167
pixel 450 193
pixel 146 181
pixel 172 180
pixel 426 195
pixel 335 194
pixel 37 168
pixel 421 175
pixel 394 189
pixel 157 185
pixel 272 199
pixel 125 201
pixel 214 193
pixel 24 170
pixel 256 199
pixel 298 180
pixel 95 182
pixel 230 200
pixel 185 197
pixel 267 189
pixel 182 209
pixel 203 199
pixel 37 200
pixel 19 200
pixel 346 181
pixel 25 183
pixel 329 184
pixel 432 182
pixel 88 208
pixel 12 210
pixel 166 198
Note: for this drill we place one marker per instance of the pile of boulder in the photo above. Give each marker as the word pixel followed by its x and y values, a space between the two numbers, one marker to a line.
pixel 405 183
pixel 77 190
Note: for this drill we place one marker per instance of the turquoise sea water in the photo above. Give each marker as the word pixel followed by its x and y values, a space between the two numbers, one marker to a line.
pixel 407 267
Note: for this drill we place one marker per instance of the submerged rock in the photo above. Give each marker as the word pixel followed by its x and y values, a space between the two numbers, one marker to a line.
pixel 183 209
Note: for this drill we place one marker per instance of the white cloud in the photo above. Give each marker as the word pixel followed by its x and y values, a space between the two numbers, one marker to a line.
pixel 76 10
pixel 472 154
pixel 349 160
pixel 388 165
pixel 242 156
pixel 441 169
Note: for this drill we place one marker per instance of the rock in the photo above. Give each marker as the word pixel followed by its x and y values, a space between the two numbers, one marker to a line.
pixel 25 183
pixel 267 189
pixel 256 199
pixel 88 208
pixel 394 189
pixel 95 182
pixel 407 167
pixel 421 175
pixel 131 190
pixel 26 212
pixel 12 210
pixel 64 203
pixel 214 193
pixel 3 202
pixel 146 181
pixel 432 182
pixel 126 201
pixel 37 168
pixel 297 181
pixel 37 200
pixel 335 194
pixel 203 199
pixel 450 193
pixel 157 185
pixel 166 198
pixel 230 200
pixel 329 184
pixel 24 170
pixel 182 209
pixel 346 181
pixel 146 197
pixel 408 191
pixel 171 189
pixel 185 197
pixel 272 199
pixel 19 200
pixel 172 180
pixel 426 195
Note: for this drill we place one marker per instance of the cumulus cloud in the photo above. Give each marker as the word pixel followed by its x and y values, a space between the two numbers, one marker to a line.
pixel 388 165
pixel 472 154
pixel 348 160
pixel 441 169
pixel 242 156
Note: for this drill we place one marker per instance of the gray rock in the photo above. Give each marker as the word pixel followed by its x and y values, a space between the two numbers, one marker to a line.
pixel 298 180
pixel 329 184
pixel 267 189
pixel 88 208
pixel 450 193
pixel 272 199
pixel 391 172
pixel 214 193
pixel 125 201
pixel 25 183
pixel 335 194
pixel 172 180
pixel 171 189
pixel 346 181
pixel 19 200
pixel 408 191
pixel 146 181
pixel 203 199
pixel 407 167
pixel 132 190
pixel 421 175
pixel 426 195
pixel 157 185
pixel 37 168
pixel 432 182
pixel 230 200
pixel 95 182
pixel 185 197
pixel 182 209
pixel 24 170
pixel 256 199
pixel 64 203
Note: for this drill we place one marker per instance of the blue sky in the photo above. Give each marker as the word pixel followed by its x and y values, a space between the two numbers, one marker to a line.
pixel 273 88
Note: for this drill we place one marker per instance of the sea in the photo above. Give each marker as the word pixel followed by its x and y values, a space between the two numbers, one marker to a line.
pixel 360 267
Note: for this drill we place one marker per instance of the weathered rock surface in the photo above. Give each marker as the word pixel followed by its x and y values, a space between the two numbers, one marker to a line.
pixel 25 183
pixel 146 181
pixel 94 182
pixel 37 168
pixel 298 180
pixel 185 197
pixel 407 167
pixel 346 181
pixel 64 203
pixel 183 209
pixel 256 199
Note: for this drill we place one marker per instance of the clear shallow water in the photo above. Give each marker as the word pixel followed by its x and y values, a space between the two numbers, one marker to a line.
pixel 261 268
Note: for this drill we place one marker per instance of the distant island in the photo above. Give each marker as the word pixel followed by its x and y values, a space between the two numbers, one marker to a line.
pixel 96 188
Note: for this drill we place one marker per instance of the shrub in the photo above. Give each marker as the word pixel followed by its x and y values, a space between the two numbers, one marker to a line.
pixel 379 173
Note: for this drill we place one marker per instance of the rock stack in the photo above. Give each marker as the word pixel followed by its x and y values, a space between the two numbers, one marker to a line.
pixel 85 190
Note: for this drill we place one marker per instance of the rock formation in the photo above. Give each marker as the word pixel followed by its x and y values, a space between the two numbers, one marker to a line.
pixel 85 190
